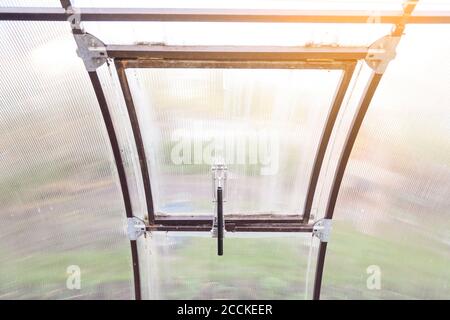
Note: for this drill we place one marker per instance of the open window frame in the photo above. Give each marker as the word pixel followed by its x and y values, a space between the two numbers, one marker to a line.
pixel 224 58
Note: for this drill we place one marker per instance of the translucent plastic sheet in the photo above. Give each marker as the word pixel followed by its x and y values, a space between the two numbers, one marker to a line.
pixel 432 5
pixel 122 127
pixel 216 33
pixel 264 4
pixel 219 33
pixel 254 266
pixel 30 3
pixel 264 124
pixel 392 217
pixel 61 209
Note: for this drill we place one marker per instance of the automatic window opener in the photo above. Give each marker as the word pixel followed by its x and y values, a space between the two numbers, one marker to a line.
pixel 219 183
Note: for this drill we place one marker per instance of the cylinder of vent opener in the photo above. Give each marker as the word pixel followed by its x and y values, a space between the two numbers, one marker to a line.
pixel 219 222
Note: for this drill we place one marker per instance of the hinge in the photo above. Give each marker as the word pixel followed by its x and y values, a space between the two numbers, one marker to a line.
pixel 91 50
pixel 322 229
pixel 381 52
pixel 136 228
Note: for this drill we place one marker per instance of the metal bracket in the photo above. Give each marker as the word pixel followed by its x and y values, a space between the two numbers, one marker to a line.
pixel 219 179
pixel 136 228
pixel 322 229
pixel 91 50
pixel 381 52
pixel 215 230
pixel 74 17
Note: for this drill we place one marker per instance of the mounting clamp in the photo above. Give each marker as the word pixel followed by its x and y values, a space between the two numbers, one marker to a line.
pixel 381 52
pixel 136 228
pixel 74 17
pixel 219 179
pixel 91 50
pixel 322 229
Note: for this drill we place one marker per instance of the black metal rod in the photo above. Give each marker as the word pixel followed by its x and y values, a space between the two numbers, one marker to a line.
pixel 325 138
pixel 222 15
pixel 358 119
pixel 120 172
pixel 137 139
pixel 219 222
pixel 113 141
pixel 342 164
pixel 66 4
pixel 350 141
pixel 319 270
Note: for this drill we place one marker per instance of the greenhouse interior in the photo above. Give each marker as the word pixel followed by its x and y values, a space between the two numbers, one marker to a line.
pixel 212 150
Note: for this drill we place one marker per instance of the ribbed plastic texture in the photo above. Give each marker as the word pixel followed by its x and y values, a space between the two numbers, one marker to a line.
pixel 61 209
pixel 30 3
pixel 248 4
pixel 238 33
pixel 253 266
pixel 264 124
pixel 393 211
pixel 283 34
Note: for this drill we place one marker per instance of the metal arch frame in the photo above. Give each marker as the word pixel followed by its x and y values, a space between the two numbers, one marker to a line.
pixel 98 89
pixel 120 171
pixel 324 140
pixel 237 15
pixel 93 75
pixel 339 174
pixel 363 105
pixel 145 173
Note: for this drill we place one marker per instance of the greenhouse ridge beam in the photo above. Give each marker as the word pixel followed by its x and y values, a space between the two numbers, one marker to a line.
pixel 222 15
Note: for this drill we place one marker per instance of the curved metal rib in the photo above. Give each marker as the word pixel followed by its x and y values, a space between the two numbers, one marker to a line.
pixel 138 139
pixel 342 164
pixel 325 138
pixel 120 171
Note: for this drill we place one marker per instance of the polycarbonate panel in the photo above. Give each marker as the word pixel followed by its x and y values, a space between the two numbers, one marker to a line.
pixel 30 3
pixel 260 4
pixel 122 127
pixel 393 212
pixel 254 266
pixel 341 128
pixel 264 124
pixel 432 5
pixel 61 209
pixel 221 33
pixel 283 34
